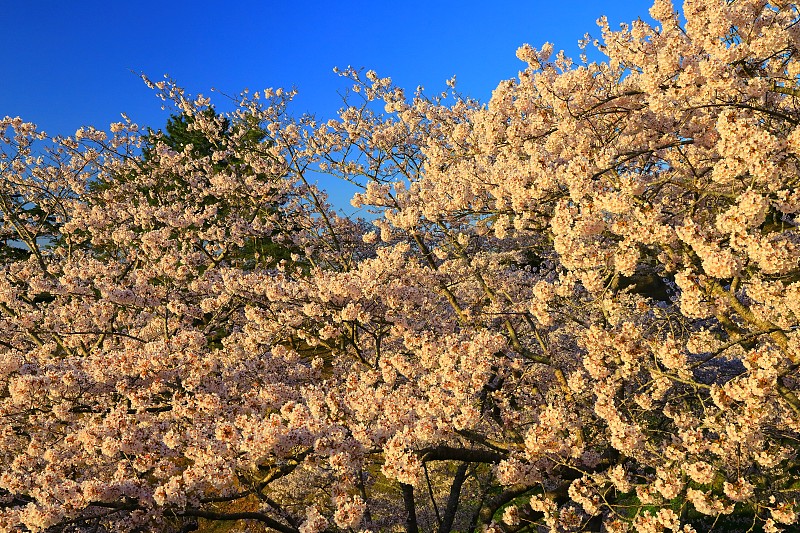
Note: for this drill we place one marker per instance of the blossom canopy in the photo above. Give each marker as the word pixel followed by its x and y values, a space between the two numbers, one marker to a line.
pixel 575 307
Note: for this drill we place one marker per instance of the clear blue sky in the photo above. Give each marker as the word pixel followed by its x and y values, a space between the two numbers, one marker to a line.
pixel 69 63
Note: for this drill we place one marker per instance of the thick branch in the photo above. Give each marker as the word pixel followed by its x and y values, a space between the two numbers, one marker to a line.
pixel 489 508
pixel 453 499
pixel 785 90
pixel 411 508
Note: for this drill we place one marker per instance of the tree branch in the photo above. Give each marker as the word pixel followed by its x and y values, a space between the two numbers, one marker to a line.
pixel 210 515
pixel 411 508
pixel 453 499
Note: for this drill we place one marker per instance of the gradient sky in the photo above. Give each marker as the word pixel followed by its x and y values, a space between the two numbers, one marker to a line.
pixel 72 63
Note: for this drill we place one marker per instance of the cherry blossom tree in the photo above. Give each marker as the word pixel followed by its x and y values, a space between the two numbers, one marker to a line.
pixel 575 308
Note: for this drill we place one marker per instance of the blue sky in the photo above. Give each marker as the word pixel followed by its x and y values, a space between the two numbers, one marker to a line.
pixel 72 63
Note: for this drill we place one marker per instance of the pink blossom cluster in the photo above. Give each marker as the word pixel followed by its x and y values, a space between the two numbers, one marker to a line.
pixel 575 307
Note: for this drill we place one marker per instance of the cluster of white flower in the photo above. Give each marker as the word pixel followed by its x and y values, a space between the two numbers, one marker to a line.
pixel 583 294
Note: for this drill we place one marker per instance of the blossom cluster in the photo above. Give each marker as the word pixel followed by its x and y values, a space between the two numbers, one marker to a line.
pixel 575 307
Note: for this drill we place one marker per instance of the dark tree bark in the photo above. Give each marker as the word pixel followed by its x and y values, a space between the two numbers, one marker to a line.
pixel 411 508
pixel 453 499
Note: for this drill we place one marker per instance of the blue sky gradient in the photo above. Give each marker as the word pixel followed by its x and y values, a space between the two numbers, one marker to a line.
pixel 69 64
